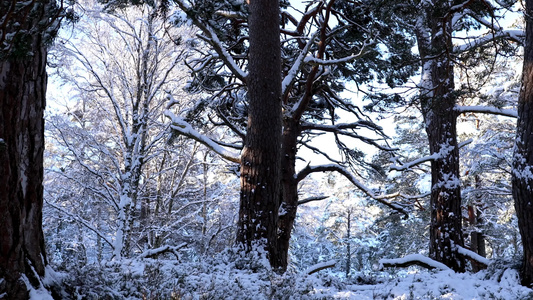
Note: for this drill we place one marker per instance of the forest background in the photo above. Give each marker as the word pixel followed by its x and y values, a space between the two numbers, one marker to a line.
pixel 397 132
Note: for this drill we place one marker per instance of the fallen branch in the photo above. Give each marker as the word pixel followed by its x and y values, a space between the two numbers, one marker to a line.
pixel 411 260
pixel 473 256
pixel 320 266
pixel 164 249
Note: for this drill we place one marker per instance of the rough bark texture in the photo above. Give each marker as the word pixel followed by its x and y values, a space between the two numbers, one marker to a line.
pixel 289 203
pixel 260 160
pixel 522 177
pixel 477 240
pixel 437 103
pixel 22 101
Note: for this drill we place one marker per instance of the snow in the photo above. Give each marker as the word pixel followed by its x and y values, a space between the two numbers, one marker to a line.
pixel 473 255
pixel 319 266
pixel 186 129
pixel 219 278
pixel 297 66
pixel 415 257
pixel 512 113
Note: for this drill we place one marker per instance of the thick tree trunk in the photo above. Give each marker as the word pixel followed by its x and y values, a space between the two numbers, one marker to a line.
pixel 260 160
pixel 22 101
pixel 446 218
pixel 522 176
pixel 437 103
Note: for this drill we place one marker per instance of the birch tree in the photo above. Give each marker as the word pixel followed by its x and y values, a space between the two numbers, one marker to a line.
pixel 122 66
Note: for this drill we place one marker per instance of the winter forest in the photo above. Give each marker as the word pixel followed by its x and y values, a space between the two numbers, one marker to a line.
pixel 266 149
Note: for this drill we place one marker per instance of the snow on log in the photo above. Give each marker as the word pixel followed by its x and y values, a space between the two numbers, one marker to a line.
pixel 161 250
pixel 320 266
pixel 473 255
pixel 413 259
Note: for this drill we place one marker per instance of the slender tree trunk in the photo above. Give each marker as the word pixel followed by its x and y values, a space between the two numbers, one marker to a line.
pixel 522 176
pixel 23 82
pixel 348 242
pixel 437 103
pixel 477 240
pixel 289 201
pixel 260 160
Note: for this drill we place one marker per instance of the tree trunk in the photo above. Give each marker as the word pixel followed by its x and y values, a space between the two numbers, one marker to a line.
pixel 22 101
pixel 477 240
pixel 289 201
pixel 260 160
pixel 522 177
pixel 437 103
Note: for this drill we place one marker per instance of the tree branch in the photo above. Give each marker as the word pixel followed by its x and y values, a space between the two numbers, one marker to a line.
pixel 161 250
pixel 320 266
pixel 336 168
pixel 512 113
pixel 184 128
pixel 214 41
pixel 473 256
pixel 310 199
pixel 413 259
pixel 424 159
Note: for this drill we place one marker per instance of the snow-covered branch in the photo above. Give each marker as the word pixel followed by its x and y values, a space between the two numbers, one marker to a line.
pixel 329 62
pixel 473 255
pixel 215 42
pixel 512 113
pixel 434 156
pixel 512 35
pixel 82 222
pixel 413 259
pixel 184 128
pixel 348 129
pixel 416 162
pixel 320 266
pixel 289 80
pixel 343 171
pixel 163 249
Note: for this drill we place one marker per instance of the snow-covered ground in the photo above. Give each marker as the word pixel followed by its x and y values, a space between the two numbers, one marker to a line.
pixel 217 279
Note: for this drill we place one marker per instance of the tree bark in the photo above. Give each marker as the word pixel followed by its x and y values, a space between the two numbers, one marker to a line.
pixel 289 201
pixel 522 177
pixel 23 82
pixel 260 159
pixel 437 103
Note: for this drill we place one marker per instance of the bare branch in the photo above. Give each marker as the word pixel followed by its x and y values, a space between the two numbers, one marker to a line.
pixel 82 222
pixel 310 199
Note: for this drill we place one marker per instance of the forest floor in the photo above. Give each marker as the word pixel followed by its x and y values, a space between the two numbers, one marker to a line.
pixel 167 279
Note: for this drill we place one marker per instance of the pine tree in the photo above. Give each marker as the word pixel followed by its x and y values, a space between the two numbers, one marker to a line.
pixel 26 32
